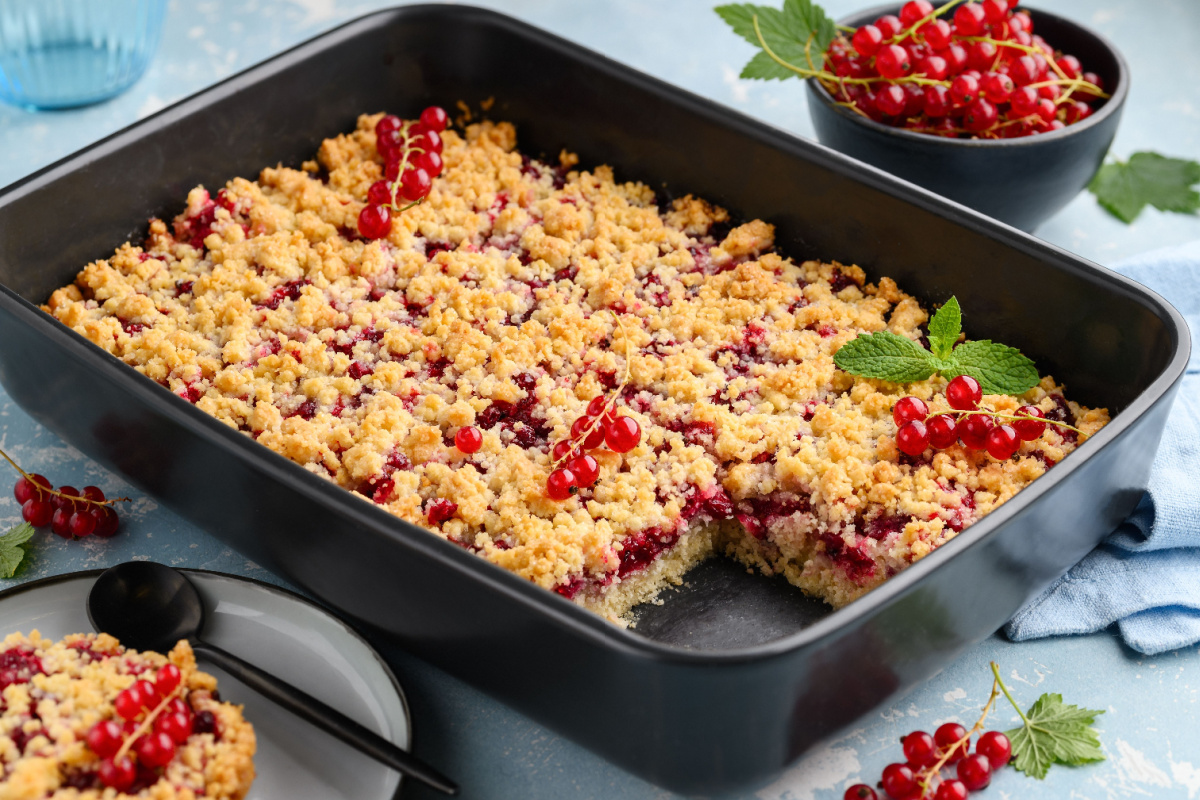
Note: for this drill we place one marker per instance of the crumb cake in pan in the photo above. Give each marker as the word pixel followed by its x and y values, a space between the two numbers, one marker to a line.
pixel 86 719
pixel 509 300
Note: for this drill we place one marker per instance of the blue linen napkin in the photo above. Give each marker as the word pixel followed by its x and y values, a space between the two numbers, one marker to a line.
pixel 1146 575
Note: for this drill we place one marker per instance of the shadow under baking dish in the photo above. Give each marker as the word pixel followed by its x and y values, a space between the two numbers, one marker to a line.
pixel 735 675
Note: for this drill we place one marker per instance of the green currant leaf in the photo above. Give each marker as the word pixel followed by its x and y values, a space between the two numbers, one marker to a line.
pixel 763 67
pixel 1054 732
pixel 804 15
pixel 799 34
pixel 1000 369
pixel 944 328
pixel 886 356
pixel 11 552
pixel 1124 188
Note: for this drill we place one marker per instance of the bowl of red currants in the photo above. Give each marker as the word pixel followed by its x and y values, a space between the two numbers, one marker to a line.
pixel 1007 110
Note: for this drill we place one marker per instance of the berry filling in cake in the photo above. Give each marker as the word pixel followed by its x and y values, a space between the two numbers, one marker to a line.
pixel 579 381
pixel 84 719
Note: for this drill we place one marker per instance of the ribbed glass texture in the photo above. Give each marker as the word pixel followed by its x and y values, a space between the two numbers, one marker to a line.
pixel 63 53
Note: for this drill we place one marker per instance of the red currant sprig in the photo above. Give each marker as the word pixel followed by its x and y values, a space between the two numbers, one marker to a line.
pixel 166 721
pixel 71 513
pixel 975 427
pixel 412 157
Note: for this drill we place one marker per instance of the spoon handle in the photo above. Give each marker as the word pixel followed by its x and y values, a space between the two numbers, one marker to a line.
pixel 324 717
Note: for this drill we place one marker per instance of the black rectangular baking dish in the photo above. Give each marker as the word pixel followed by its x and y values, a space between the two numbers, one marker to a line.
pixel 734 677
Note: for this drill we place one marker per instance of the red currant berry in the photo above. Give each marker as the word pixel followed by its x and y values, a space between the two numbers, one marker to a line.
pixel 889 25
pixel 468 439
pixel 963 393
pixel 980 115
pixel 860 791
pixel 155 749
pixel 1050 91
pixel 1024 101
pixel 1003 442
pixel 949 733
pixel 622 434
pixel 933 67
pixel 956 57
pixel 167 679
pixel 441 510
pixel 585 468
pixel 561 484
pixel 597 406
pixel 105 738
pixel 562 450
pixel 1023 70
pixel 37 513
pixel 118 775
pixel 951 790
pixel 178 706
pixel 148 693
pixel 579 429
pixel 60 523
pixel 890 100
pixel 898 780
pixel 129 703
pixel 1077 110
pixel 415 184
pixel 908 409
pixel 430 162
pixel 1029 429
pixel 914 11
pixel 175 725
pixel 973 431
pixel 81 524
pixel 912 438
pixel 380 194
pixel 391 170
pixel 374 222
pixel 996 747
pixel 997 87
pixel 93 493
pixel 31 488
pixel 892 61
pixel 975 772
pixel 1086 93
pixel 65 497
pixel 937 101
pixel 995 10
pixel 943 431
pixel 434 118
pixel 937 34
pixel 389 123
pixel 969 19
pixel 981 56
pixel 1047 110
pixel 964 89
pixel 919 749
pixel 866 40
pixel 429 141
pixel 107 522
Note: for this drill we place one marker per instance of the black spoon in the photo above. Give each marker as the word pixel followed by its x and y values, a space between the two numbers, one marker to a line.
pixel 150 606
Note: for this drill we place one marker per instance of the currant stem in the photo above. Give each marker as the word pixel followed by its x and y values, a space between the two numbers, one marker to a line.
pixel 403 164
pixel 1014 417
pixel 72 497
pixel 935 770
pixel 146 723
pixel 1003 688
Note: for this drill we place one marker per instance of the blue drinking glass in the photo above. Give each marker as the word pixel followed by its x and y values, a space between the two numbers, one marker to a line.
pixel 64 53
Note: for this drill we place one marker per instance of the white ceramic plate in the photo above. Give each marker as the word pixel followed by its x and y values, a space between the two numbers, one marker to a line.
pixel 287 636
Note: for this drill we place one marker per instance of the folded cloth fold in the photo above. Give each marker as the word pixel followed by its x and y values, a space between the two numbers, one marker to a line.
pixel 1146 575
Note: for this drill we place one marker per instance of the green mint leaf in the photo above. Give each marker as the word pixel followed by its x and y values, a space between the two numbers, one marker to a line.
pixel 1000 369
pixel 886 356
pixel 944 328
pixel 11 552
pixel 798 34
pixel 1054 732
pixel 763 67
pixel 1124 188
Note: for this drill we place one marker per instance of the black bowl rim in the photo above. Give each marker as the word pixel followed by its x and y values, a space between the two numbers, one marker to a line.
pixel 1110 107
pixel 561 612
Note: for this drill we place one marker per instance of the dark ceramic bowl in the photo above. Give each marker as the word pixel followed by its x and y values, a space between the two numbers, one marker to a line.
pixel 1020 181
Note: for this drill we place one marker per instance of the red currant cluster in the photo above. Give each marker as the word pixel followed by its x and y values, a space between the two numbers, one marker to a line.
pixel 600 425
pixel 926 755
pixel 976 428
pixel 155 722
pixel 984 75
pixel 412 158
pixel 70 513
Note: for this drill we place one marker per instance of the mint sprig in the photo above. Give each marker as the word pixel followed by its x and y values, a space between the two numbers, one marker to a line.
pixel 11 552
pixel 1000 369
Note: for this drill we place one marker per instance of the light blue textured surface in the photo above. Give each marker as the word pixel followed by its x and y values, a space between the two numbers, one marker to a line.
pixel 1149 732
